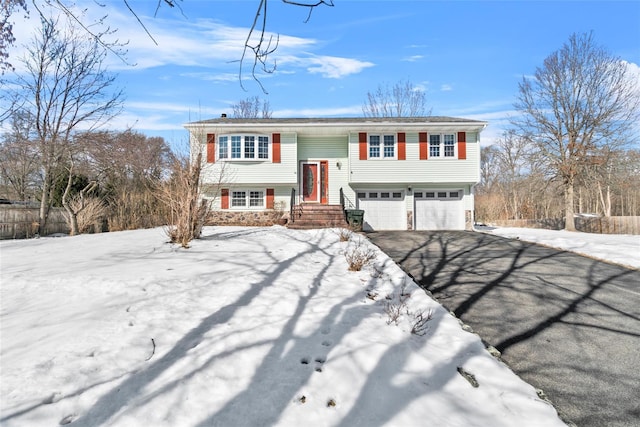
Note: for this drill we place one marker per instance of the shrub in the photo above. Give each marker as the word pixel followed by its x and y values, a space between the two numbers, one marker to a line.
pixel 359 256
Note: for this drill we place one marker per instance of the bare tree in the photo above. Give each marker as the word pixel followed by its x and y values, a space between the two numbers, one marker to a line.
pixel 581 99
pixel 65 87
pixel 252 108
pixel 188 211
pixel 76 204
pixel 7 39
pixel 403 99
pixel 489 171
pixel 514 160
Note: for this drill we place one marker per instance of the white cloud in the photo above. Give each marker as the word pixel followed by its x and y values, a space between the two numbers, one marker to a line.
pixel 205 43
pixel 413 58
pixel 334 67
pixel 355 110
pixel 446 87
pixel 159 106
pixel 422 86
pixel 633 72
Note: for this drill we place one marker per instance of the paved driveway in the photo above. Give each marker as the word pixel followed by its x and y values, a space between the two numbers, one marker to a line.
pixel 567 324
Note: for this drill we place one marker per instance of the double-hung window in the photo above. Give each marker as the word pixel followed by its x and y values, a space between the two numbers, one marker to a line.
pixel 238 199
pixel 382 146
pixel 256 199
pixel 449 145
pixel 374 146
pixel 223 147
pixel 434 145
pixel 442 145
pixel 263 147
pixel 243 147
pixel 236 147
pixel 389 146
pixel 249 147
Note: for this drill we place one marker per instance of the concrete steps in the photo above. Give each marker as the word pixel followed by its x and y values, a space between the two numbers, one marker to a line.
pixel 308 216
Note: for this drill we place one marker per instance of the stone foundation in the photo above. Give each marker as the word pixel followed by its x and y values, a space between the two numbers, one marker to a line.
pixel 410 220
pixel 246 218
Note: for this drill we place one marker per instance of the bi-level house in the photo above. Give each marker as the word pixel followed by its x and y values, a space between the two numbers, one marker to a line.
pixel 414 173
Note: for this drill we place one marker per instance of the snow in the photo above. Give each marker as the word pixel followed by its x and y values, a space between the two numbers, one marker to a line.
pixel 249 326
pixel 623 249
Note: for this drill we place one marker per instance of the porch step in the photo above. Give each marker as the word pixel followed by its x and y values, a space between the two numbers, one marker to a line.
pixel 307 216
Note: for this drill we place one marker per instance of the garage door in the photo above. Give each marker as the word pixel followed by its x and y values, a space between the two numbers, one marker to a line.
pixel 439 210
pixel 383 210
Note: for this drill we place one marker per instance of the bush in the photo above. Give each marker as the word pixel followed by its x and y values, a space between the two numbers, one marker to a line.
pixel 359 256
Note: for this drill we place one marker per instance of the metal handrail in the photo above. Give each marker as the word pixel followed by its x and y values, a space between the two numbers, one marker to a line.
pixel 291 204
pixel 345 202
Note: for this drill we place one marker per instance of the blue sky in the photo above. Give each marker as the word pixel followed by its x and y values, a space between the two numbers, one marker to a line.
pixel 467 55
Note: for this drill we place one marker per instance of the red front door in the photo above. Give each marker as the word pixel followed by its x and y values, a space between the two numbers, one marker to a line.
pixel 310 182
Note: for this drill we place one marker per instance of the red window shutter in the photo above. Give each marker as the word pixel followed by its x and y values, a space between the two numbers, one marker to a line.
pixel 462 145
pixel 362 145
pixel 224 201
pixel 270 198
pixel 211 148
pixel 275 138
pixel 424 145
pixel 402 146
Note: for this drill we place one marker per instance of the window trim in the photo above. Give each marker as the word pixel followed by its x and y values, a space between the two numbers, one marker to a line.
pixel 442 146
pixel 226 143
pixel 247 198
pixel 382 146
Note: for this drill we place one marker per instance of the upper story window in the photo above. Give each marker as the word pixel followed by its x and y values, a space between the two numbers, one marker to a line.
pixel 243 147
pixel 382 146
pixel 442 145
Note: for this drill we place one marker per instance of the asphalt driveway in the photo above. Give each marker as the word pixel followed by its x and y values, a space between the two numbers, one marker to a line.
pixel 567 324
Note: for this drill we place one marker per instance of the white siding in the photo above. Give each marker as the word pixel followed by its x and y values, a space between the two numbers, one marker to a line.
pixel 322 147
pixel 282 195
pixel 259 172
pixel 413 169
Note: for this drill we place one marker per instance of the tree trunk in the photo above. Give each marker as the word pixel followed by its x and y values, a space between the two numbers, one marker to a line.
pixel 72 217
pixel 44 205
pixel 605 201
pixel 569 222
pixel 580 208
pixel 73 220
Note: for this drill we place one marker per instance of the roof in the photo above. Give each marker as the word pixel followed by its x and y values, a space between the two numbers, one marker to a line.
pixel 338 121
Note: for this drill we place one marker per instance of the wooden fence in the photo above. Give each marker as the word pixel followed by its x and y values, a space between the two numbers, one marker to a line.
pixel 601 225
pixel 19 222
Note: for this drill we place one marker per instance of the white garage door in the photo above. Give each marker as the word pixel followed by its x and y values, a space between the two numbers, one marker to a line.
pixel 383 210
pixel 439 210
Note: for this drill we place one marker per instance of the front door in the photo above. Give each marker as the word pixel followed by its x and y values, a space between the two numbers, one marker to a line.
pixel 314 181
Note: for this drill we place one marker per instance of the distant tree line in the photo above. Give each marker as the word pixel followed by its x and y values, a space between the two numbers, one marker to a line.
pixel 516 183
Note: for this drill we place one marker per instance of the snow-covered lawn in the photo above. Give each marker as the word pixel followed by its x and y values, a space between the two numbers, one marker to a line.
pixel 623 249
pixel 248 327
